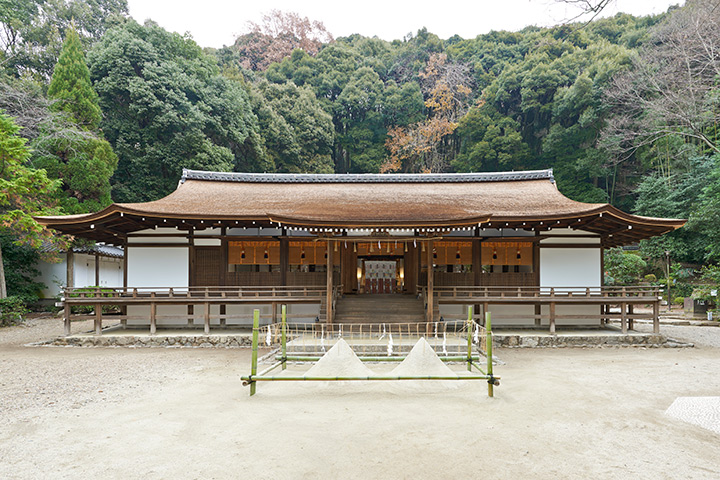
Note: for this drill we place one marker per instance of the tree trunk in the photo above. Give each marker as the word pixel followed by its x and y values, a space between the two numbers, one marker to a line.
pixel 3 287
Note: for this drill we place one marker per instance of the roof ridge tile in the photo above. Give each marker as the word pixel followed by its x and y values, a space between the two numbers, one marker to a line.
pixel 367 177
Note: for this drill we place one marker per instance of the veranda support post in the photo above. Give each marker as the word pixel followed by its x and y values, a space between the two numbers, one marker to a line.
pixel 254 358
pixel 283 337
pixel 66 315
pixel 469 338
pixel 488 352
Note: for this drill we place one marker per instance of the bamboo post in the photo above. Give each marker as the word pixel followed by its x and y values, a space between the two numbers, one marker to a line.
pixel 469 338
pixel 254 361
pixel 489 354
pixel 283 338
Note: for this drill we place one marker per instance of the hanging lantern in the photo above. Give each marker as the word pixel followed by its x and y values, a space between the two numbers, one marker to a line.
pixel 457 254
pixel 406 247
pixel 265 255
pixel 355 247
pixel 518 255
pixel 494 253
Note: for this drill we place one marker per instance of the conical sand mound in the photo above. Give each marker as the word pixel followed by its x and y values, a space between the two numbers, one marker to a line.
pixel 339 361
pixel 422 361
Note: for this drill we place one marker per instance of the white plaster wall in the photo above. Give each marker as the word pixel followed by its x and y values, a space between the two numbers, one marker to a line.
pixel 567 239
pixel 111 272
pixel 51 274
pixel 593 310
pixel 521 315
pixel 165 315
pixel 158 267
pixel 570 267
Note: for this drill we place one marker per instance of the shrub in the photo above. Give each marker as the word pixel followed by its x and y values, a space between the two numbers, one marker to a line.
pixel 623 268
pixel 12 310
pixel 87 309
pixel 651 278
pixel 678 300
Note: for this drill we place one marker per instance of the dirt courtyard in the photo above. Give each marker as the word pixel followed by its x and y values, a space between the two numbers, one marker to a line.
pixel 163 413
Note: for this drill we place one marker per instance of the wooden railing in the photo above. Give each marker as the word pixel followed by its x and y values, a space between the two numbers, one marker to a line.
pixel 123 297
pixel 623 299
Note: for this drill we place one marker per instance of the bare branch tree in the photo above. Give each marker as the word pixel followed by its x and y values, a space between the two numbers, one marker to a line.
pixel 587 9
pixel 671 88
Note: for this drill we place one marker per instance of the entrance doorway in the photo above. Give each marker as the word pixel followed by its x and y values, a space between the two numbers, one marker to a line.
pixel 380 276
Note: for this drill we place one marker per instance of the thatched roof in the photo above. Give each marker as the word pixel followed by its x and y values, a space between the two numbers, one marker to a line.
pixel 508 199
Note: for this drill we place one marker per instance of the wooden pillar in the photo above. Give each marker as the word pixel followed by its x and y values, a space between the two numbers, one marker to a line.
pixel 274 312
pixel 329 293
pixel 623 317
pixel 411 269
pixel 477 262
pixel 656 316
pixel 66 318
pixel 538 312
pixel 477 268
pixel 98 319
pixel 70 271
pixel 552 318
pixel 430 283
pixel 207 318
pixel 631 320
pixel 153 314
pixel 97 269
pixel 348 268
pixel 284 260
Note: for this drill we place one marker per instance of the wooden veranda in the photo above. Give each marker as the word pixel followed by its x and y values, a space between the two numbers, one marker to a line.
pixel 623 299
pixel 612 302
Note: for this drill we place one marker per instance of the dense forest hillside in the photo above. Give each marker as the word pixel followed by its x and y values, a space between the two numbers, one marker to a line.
pixel 624 109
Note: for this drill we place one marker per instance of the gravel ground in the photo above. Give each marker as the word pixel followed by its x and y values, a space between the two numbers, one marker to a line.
pixel 701 337
pixel 158 413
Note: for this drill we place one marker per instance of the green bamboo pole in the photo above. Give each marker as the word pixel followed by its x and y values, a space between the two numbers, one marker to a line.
pixel 488 352
pixel 254 361
pixel 257 378
pixel 478 368
pixel 459 358
pixel 269 369
pixel 469 343
pixel 284 337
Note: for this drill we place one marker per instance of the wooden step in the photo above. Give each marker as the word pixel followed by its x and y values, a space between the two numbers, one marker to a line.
pixel 379 309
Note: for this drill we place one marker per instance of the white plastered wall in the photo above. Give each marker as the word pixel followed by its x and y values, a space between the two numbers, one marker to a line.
pixel 571 267
pixel 54 275
pixel 158 267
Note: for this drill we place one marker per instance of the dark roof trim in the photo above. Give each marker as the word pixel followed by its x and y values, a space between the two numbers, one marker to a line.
pixel 367 177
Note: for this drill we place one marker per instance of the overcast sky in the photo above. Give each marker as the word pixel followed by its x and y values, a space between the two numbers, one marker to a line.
pixel 214 23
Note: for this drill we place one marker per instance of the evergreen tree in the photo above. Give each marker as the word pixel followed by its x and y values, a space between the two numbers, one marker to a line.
pixel 71 87
pixel 71 147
